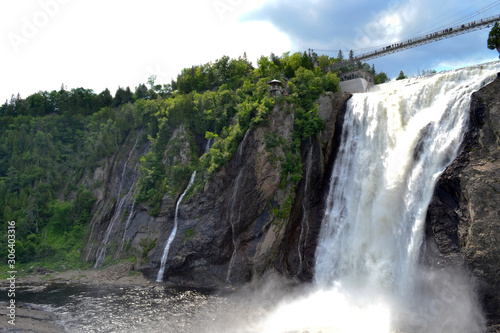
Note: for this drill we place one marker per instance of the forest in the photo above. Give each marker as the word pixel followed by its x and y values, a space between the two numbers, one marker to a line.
pixel 50 141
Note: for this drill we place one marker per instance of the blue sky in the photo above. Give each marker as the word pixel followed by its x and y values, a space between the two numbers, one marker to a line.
pixel 106 44
pixel 360 24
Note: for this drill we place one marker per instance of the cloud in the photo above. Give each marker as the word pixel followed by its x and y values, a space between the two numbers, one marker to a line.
pixel 100 45
pixel 365 24
pixel 310 23
pixel 106 44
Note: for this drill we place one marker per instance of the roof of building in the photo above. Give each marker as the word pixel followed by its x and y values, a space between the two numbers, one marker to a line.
pixel 275 81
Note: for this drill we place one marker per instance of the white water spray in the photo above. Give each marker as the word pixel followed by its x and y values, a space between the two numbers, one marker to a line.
pixel 395 143
pixel 159 278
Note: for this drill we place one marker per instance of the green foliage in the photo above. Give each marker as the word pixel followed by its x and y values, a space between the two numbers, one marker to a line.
pixel 283 213
pixel 340 56
pixel 189 234
pixel 147 245
pixel 494 37
pixel 401 76
pixel 381 78
pixel 331 82
pixel 50 140
pixel 223 148
pixel 324 61
pixel 308 123
pixel 308 86
pixel 41 158
pixel 272 141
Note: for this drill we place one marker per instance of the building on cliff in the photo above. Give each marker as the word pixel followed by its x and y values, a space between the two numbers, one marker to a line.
pixel 357 81
pixel 276 88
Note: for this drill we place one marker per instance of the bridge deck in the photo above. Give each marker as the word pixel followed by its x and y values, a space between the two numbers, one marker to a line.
pixel 422 40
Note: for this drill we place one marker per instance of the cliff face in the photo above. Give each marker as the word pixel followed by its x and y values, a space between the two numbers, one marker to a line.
pixel 242 223
pixel 230 231
pixel 114 184
pixel 463 220
pixel 234 228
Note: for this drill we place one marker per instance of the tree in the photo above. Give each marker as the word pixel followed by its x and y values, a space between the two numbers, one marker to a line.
pixel 324 61
pixel 306 61
pixel 39 104
pixel 141 92
pixel 340 56
pixel 122 96
pixel 276 60
pixel 428 71
pixel 381 78
pixel 151 81
pixel 105 98
pixel 331 82
pixel 351 55
pixel 401 76
pixel 494 38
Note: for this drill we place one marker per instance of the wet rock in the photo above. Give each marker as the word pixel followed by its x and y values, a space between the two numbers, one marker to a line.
pixel 297 252
pixel 463 220
pixel 229 232
pixel 112 184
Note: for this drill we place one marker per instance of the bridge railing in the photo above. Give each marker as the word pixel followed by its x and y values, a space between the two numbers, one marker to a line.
pixel 420 40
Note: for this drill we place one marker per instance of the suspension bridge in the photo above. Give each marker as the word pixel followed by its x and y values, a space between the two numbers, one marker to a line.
pixel 435 36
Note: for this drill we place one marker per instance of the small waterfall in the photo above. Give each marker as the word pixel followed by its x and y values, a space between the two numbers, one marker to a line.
pixel 207 146
pixel 304 227
pixel 127 224
pixel 232 219
pixel 101 252
pixel 396 141
pixel 159 278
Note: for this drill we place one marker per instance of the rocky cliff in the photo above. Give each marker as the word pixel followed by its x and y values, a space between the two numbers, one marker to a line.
pixel 244 220
pixel 463 220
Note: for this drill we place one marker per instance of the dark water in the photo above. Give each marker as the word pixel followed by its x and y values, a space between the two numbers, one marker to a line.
pixel 83 308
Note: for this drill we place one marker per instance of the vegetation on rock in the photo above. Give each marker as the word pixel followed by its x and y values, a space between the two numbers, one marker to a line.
pixel 494 38
pixel 52 142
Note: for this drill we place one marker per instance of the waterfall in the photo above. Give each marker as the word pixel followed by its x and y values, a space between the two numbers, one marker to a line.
pixel 159 278
pixel 396 141
pixel 304 225
pixel 207 146
pixel 127 224
pixel 101 252
pixel 232 219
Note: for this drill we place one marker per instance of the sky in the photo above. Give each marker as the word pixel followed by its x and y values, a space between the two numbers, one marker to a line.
pixel 106 44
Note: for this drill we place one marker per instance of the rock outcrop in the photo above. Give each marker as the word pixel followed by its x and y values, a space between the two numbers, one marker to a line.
pixel 243 222
pixel 463 219
pixel 114 184
pixel 246 221
pixel 230 231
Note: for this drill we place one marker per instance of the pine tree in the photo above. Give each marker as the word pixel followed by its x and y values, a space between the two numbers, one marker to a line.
pixel 401 76
pixel 340 56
